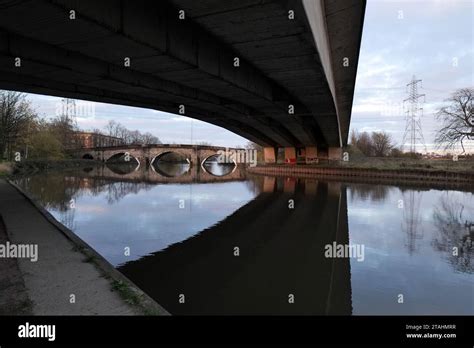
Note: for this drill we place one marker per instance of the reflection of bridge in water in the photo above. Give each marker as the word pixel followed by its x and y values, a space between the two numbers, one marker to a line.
pixel 279 254
pixel 153 174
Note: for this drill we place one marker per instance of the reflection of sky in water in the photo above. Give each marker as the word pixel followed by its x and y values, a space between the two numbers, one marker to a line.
pixel 147 218
pixel 390 269
pixel 151 220
pixel 218 169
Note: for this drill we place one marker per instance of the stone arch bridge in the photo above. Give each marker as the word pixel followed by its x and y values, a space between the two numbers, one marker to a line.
pixel 194 175
pixel 147 154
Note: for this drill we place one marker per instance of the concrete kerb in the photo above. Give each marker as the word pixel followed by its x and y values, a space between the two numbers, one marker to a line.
pixel 147 305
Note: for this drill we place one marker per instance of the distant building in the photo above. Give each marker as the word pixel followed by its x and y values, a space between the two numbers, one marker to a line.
pixel 87 140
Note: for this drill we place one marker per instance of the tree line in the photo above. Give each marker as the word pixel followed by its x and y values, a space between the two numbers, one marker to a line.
pixel 378 144
pixel 456 128
pixel 24 134
pixel 129 137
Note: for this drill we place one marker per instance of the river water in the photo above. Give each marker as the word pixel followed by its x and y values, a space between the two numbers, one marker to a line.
pixel 218 240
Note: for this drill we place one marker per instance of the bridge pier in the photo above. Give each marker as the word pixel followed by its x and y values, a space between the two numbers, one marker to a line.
pixel 290 155
pixel 311 153
pixel 289 185
pixel 335 153
pixel 269 184
pixel 269 155
pixel 144 161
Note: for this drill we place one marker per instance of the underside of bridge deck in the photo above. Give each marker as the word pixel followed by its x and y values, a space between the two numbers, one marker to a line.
pixel 274 72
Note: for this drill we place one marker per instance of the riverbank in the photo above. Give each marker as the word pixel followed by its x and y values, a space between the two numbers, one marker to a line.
pixel 5 169
pixel 390 171
pixel 29 167
pixel 69 277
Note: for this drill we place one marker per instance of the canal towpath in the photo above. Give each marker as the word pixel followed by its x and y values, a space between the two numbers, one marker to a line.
pixel 69 277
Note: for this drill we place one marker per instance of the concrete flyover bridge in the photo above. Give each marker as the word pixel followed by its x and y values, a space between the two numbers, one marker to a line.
pixel 279 73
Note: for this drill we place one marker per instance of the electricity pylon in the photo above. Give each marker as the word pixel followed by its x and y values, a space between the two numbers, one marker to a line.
pixel 413 130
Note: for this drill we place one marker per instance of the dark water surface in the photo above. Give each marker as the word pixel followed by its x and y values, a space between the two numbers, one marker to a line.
pixel 231 243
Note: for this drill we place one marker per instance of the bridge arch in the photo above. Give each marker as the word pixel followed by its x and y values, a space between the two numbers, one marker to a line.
pixel 164 153
pixel 203 165
pixel 171 169
pixel 87 156
pixel 119 154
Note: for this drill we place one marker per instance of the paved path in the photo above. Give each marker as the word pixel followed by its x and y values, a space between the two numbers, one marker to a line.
pixel 13 295
pixel 59 272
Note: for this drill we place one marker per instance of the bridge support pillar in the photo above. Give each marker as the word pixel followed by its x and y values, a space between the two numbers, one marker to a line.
pixel 289 185
pixel 269 155
pixel 311 154
pixel 310 187
pixel 195 158
pixel 335 153
pixel 290 155
pixel 269 184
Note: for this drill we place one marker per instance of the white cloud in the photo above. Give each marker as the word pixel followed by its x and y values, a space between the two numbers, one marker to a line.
pixel 430 38
pixel 431 35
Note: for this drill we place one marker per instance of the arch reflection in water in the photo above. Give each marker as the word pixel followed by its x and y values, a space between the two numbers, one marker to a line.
pixel 170 164
pixel 212 166
pixel 122 168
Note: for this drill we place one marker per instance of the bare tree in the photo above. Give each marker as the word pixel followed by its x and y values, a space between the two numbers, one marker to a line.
pixel 135 137
pixel 64 127
pixel 148 138
pixel 457 120
pixel 97 131
pixel 112 128
pixel 375 144
pixel 15 115
pixel 382 143
pixel 204 143
pixel 364 143
pixel 124 134
pixel 353 138
pixel 116 129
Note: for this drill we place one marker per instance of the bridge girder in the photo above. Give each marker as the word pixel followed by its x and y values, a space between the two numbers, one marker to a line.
pixel 173 62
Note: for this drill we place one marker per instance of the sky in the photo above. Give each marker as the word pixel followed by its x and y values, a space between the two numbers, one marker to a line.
pixel 432 39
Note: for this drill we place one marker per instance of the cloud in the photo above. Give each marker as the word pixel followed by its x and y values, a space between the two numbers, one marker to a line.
pixel 430 39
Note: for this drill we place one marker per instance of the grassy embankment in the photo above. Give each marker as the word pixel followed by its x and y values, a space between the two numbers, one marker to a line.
pixel 397 164
pixel 28 167
pixel 5 169
pixel 405 164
